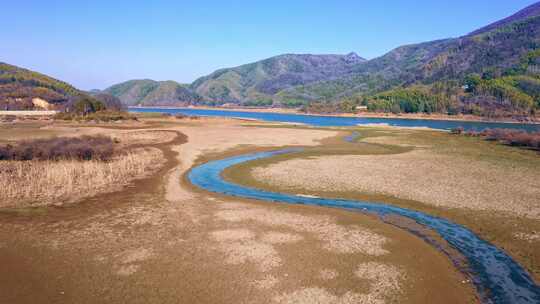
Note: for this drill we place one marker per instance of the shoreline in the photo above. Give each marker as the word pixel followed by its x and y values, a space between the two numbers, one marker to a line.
pixel 438 117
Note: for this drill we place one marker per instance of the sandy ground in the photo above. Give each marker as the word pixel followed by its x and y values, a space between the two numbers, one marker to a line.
pixel 490 188
pixel 419 175
pixel 162 241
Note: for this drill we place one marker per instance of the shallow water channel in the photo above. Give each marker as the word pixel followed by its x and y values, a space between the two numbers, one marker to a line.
pixel 497 277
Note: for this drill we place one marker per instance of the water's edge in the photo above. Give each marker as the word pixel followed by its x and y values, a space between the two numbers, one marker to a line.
pixel 335 121
pixel 497 277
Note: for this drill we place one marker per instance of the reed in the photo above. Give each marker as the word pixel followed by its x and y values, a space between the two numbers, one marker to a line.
pixel 47 182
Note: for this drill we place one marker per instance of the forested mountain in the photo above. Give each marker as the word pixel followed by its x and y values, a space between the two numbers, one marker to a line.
pixel 259 82
pixel 492 51
pixel 495 52
pixel 148 92
pixel 494 71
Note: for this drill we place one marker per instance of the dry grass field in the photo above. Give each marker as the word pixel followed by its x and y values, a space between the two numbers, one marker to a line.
pixel 55 173
pixel 40 183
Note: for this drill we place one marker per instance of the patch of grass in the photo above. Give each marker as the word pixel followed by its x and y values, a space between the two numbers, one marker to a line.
pixel 42 183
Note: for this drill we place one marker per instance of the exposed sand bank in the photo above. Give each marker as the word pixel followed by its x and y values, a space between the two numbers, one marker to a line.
pixel 164 241
pixel 419 175
pixel 490 188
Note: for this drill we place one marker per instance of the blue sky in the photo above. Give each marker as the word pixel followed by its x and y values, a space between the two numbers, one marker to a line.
pixel 94 44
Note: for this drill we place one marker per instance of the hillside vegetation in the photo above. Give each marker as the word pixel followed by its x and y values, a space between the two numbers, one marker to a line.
pixel 257 83
pixel 147 92
pixel 22 89
pixel 18 86
pixel 503 62
pixel 511 92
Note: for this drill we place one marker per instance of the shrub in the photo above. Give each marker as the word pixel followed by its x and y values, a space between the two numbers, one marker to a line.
pixel 111 102
pixel 104 116
pixel 511 137
pixel 87 105
pixel 457 130
pixel 79 148
pixel 107 116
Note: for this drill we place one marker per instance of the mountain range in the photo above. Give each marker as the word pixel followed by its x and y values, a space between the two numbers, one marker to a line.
pixel 293 79
pixel 496 54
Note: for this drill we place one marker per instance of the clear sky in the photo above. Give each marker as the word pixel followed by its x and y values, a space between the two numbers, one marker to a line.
pixel 94 44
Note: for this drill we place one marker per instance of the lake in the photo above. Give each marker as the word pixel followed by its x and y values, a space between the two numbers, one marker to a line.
pixel 332 121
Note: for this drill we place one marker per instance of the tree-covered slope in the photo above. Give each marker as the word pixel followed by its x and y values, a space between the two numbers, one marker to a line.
pixel 19 86
pixel 494 52
pixel 150 93
pixel 22 89
pixel 260 81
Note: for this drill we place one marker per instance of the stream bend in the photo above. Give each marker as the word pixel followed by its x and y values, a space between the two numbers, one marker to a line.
pixel 496 276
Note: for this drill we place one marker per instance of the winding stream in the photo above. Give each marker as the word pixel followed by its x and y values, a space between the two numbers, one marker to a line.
pixel 497 277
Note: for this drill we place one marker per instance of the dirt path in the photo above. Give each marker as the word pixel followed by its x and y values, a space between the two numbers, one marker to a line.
pixel 162 241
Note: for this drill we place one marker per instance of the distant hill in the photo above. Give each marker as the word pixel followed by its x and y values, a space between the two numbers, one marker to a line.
pixel 258 82
pixel 146 92
pixel 18 87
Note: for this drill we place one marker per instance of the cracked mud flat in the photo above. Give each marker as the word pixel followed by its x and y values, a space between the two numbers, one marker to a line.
pixel 162 241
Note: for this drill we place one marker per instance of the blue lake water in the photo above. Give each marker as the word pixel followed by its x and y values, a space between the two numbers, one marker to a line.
pixel 327 121
pixel 497 277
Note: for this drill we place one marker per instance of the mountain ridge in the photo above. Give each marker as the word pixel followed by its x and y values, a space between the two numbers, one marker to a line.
pixel 502 58
pixel 262 79
pixel 293 79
